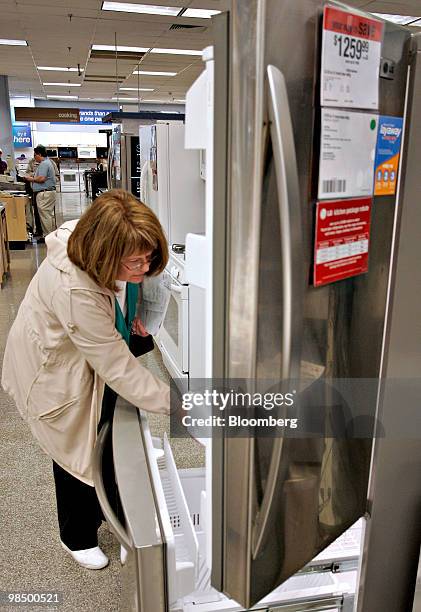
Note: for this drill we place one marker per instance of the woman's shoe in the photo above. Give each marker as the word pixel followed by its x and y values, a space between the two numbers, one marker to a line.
pixel 91 558
pixel 123 555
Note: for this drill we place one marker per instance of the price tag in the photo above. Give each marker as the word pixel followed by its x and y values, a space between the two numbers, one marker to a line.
pixel 351 53
pixel 347 151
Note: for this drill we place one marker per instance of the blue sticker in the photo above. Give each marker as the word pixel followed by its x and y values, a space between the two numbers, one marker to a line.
pixel 388 148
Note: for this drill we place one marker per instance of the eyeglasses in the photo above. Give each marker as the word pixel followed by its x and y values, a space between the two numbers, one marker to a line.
pixel 139 264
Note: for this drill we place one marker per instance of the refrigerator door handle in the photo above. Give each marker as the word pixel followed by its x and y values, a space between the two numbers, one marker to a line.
pixel 285 161
pixel 109 166
pixel 115 525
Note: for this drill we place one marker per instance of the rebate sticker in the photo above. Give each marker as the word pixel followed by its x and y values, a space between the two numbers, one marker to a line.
pixel 351 53
pixel 388 150
pixel 342 239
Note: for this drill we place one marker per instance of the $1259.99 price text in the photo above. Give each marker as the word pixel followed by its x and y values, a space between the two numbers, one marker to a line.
pixel 352 48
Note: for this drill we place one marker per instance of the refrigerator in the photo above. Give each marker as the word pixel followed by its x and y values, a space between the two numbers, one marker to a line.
pixel 255 529
pixel 171 182
pixel 123 165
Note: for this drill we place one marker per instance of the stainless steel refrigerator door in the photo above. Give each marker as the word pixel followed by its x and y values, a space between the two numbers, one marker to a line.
pixel 283 500
pixel 144 575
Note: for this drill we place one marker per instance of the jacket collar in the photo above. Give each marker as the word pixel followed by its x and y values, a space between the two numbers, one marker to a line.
pixel 56 244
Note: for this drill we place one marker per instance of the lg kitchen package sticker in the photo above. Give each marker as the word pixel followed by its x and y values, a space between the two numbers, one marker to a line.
pixel 342 239
pixel 347 151
pixel 388 150
pixel 351 53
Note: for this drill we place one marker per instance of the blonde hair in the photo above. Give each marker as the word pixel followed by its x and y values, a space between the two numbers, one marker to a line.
pixel 116 225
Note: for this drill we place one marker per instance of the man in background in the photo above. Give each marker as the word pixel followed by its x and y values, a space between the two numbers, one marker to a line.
pixel 3 164
pixel 44 186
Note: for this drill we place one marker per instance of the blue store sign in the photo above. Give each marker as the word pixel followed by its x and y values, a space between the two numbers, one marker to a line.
pixel 22 136
pixel 92 115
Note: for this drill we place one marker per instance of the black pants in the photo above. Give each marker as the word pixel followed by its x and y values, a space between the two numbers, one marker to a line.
pixel 78 509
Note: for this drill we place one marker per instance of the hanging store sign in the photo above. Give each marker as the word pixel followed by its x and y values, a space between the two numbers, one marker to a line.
pixel 92 116
pixel 22 136
pixel 47 114
pixel 388 150
pixel 347 151
pixel 351 53
pixel 342 239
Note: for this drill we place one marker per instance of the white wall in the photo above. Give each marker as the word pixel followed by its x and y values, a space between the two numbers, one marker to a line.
pixel 67 135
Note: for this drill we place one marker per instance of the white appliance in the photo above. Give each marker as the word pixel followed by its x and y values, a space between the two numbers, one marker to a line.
pixel 69 178
pixel 82 167
pixel 86 152
pixel 173 337
pixel 175 179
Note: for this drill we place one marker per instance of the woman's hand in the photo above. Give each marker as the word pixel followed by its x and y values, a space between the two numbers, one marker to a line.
pixel 138 328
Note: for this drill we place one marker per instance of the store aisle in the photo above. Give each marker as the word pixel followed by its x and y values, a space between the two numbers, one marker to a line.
pixel 31 558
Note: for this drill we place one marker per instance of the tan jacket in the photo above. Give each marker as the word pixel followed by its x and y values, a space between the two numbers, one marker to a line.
pixel 61 348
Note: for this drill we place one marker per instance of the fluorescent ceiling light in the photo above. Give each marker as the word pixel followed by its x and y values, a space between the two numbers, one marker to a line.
pixel 149 9
pixel 400 19
pixel 120 48
pixel 200 13
pixel 19 43
pixel 179 101
pixel 136 89
pixel 66 97
pixel 57 69
pixel 124 99
pixel 177 51
pixel 64 84
pixel 163 101
pixel 154 73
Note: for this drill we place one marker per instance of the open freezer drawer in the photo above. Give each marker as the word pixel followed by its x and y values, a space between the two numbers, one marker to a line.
pixel 158 531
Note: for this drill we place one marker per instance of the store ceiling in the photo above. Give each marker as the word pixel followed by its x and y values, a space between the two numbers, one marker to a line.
pixel 60 33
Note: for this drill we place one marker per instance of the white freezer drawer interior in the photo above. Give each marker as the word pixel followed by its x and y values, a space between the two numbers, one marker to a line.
pixel 182 548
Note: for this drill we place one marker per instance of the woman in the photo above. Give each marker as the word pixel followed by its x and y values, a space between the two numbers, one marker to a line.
pixel 63 349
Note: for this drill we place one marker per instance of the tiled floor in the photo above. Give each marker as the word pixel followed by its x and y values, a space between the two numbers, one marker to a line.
pixel 30 555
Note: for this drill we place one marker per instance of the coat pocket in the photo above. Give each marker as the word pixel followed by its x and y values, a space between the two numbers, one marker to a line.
pixel 52 413
pixel 55 388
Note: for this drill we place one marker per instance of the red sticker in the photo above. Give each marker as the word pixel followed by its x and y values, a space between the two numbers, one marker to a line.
pixel 350 24
pixel 342 239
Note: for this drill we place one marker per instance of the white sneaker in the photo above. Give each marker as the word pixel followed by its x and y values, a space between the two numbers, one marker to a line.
pixel 91 558
pixel 123 555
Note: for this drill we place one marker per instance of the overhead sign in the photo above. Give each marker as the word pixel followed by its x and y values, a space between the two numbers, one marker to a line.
pixel 48 115
pixel 351 53
pixel 22 136
pixel 388 150
pixel 347 151
pixel 92 116
pixel 342 239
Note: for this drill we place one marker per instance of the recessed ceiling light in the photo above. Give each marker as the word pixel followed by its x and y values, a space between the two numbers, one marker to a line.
pixel 200 13
pixel 177 51
pixel 19 43
pixel 64 97
pixel 64 84
pixel 136 89
pixel 400 19
pixel 57 69
pixel 179 101
pixel 154 73
pixel 150 9
pixel 119 48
